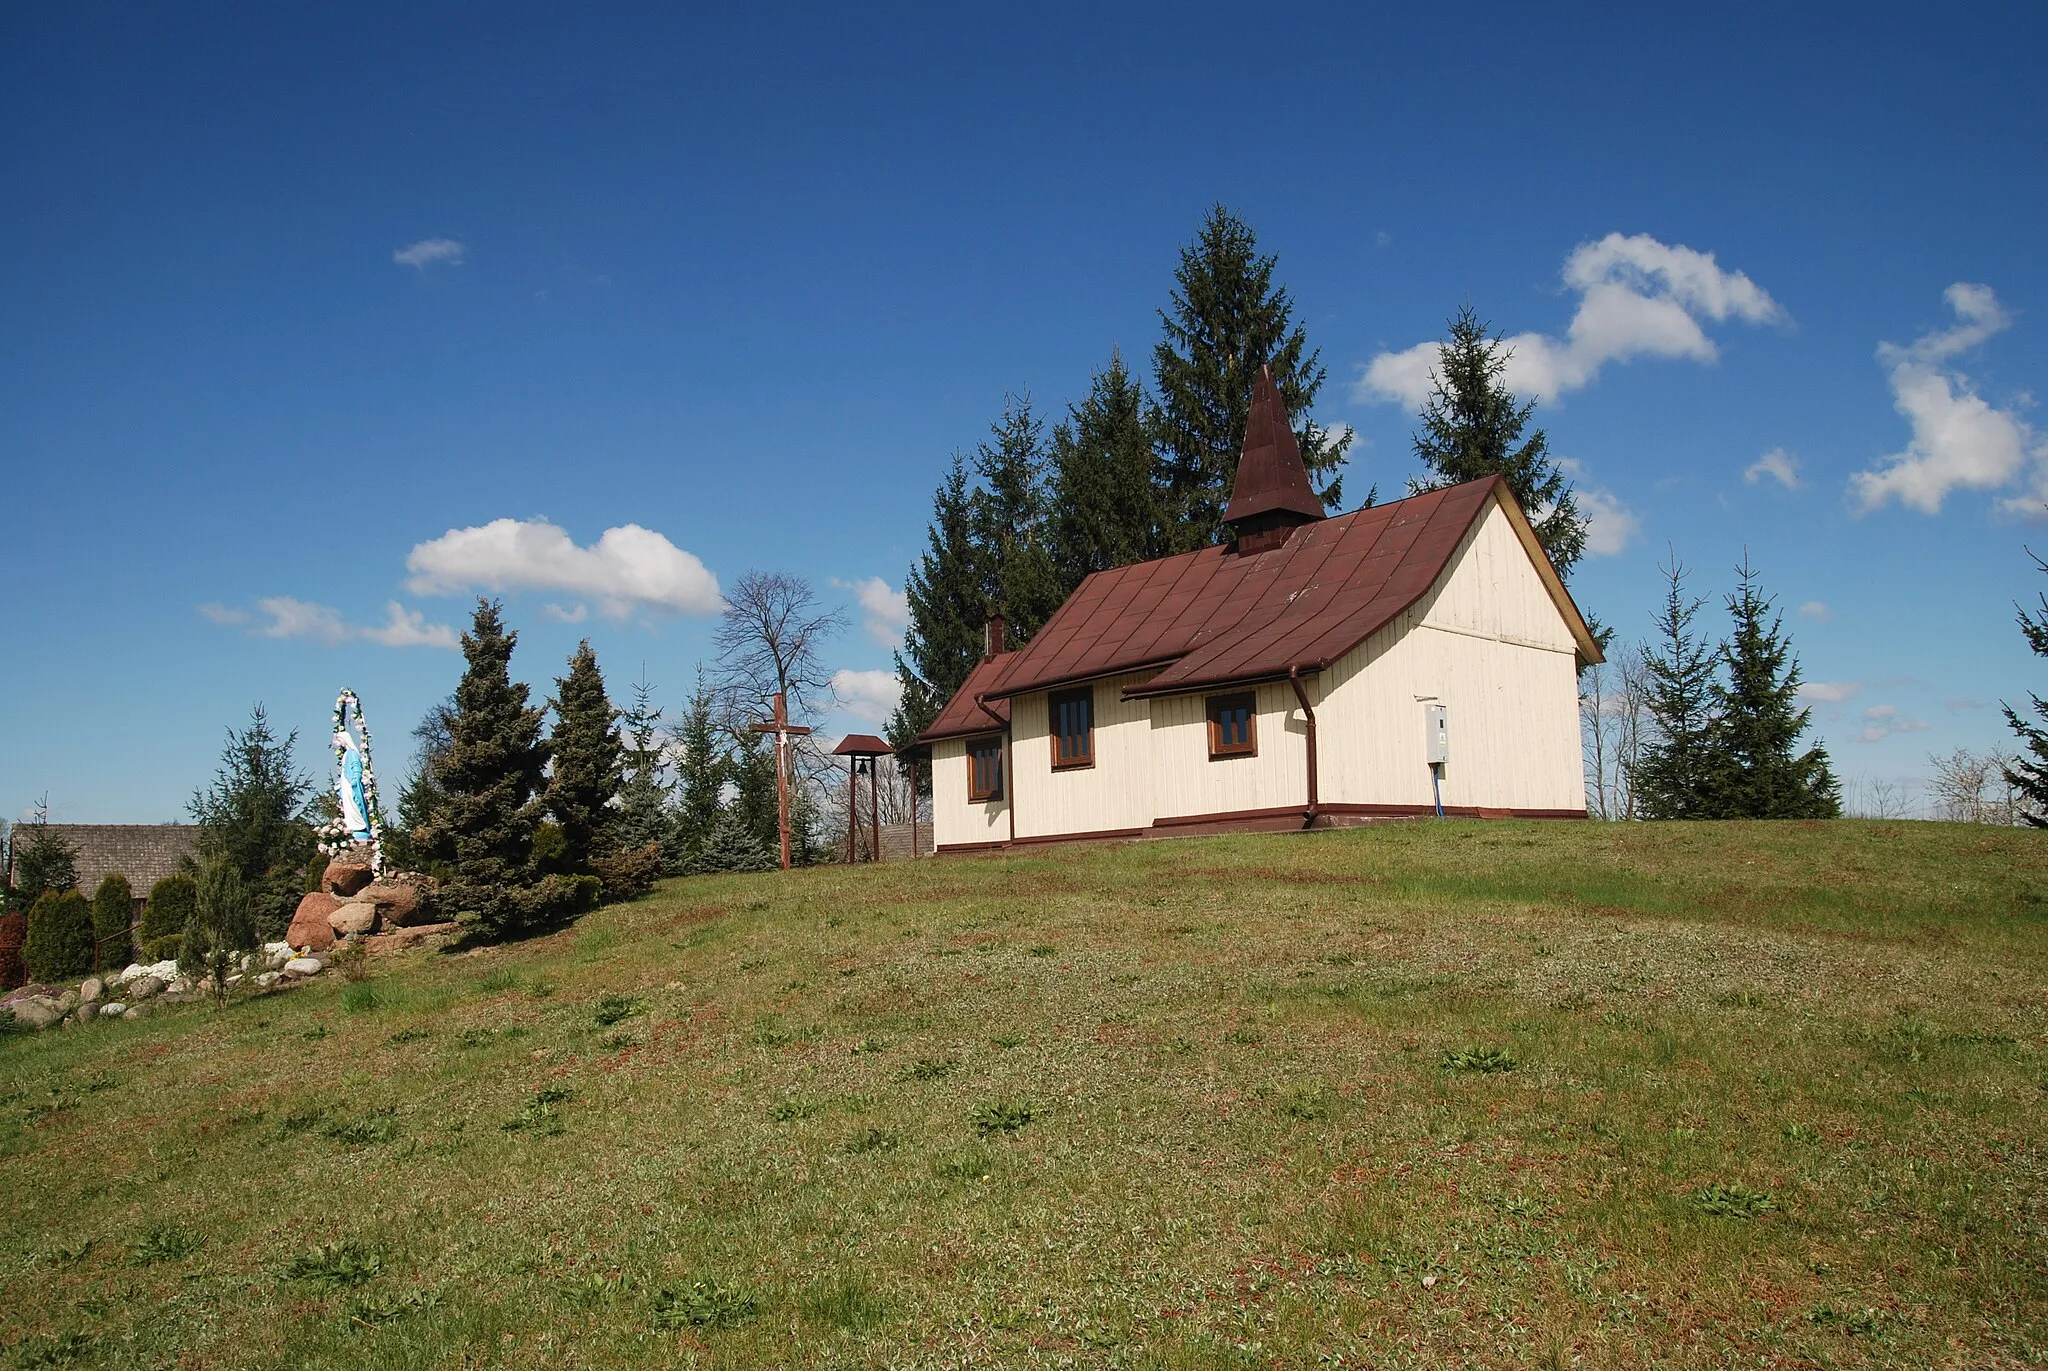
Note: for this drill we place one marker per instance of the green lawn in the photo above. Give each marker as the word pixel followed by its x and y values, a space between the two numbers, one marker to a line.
pixel 1439 1094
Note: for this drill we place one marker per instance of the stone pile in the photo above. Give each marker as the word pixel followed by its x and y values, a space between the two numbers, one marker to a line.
pixel 353 903
pixel 135 992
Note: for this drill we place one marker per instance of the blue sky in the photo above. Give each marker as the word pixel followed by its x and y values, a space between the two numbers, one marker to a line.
pixel 294 309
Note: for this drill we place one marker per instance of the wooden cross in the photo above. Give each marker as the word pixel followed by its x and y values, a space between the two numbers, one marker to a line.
pixel 783 730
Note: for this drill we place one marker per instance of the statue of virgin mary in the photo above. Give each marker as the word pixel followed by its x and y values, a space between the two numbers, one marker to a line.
pixel 348 787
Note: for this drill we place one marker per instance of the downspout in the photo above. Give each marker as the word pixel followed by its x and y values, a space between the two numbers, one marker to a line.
pixel 1308 712
pixel 1009 772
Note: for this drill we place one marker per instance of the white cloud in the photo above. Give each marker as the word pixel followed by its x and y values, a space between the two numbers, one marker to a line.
pixel 427 251
pixel 1959 439
pixel 1830 692
pixel 1637 298
pixel 627 568
pixel 868 695
pixel 1778 464
pixel 290 618
pixel 404 627
pixel 222 614
pixel 1882 721
pixel 885 613
pixel 566 614
pixel 1816 611
pixel 1610 525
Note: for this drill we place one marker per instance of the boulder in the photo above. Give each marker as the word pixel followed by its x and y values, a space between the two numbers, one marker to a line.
pixel 141 988
pixel 398 902
pixel 310 930
pixel 93 988
pixel 303 966
pixel 267 979
pixel 346 874
pixel 399 939
pixel 113 1009
pixel 37 1011
pixel 356 916
pixel 137 1011
pixel 67 1002
pixel 85 1013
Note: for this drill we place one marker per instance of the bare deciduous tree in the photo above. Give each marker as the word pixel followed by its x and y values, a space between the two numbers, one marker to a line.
pixel 1973 788
pixel 1875 797
pixel 770 641
pixel 1613 718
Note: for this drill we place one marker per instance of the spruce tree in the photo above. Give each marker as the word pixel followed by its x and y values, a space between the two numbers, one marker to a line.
pixel 1673 776
pixel 1473 426
pixel 59 943
pixel 1227 319
pixel 257 813
pixel 1105 512
pixel 948 610
pixel 589 763
pixel 113 915
pixel 731 846
pixel 644 792
pixel 754 804
pixel 404 841
pixel 1010 521
pixel 2029 774
pixel 222 924
pixel 491 781
pixel 1758 722
pixel 700 779
pixel 42 859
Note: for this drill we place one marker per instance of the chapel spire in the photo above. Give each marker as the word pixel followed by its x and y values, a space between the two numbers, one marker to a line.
pixel 1272 495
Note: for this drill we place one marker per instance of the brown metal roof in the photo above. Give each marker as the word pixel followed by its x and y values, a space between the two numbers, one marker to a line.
pixel 1270 474
pixel 1216 617
pixel 962 715
pixel 862 745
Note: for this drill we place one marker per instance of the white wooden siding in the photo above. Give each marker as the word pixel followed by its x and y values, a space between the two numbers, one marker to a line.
pixel 956 819
pixel 1117 792
pixel 1186 781
pixel 1490 645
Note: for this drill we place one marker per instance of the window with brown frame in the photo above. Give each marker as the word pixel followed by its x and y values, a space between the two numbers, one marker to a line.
pixel 1233 726
pixel 984 769
pixel 1073 727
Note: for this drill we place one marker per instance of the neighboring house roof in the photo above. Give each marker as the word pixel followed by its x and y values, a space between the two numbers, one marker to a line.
pixel 144 853
pixel 963 715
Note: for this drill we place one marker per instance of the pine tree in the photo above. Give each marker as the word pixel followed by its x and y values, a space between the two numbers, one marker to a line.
pixel 113 914
pixel 645 792
pixel 222 923
pixel 1473 426
pixel 700 780
pixel 2029 774
pixel 491 782
pixel 948 610
pixel 1227 319
pixel 1010 521
pixel 589 763
pixel 59 943
pixel 1674 775
pixel 257 814
pixel 1758 722
pixel 1105 512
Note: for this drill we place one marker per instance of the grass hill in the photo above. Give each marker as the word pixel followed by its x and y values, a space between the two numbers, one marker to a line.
pixel 1439 1094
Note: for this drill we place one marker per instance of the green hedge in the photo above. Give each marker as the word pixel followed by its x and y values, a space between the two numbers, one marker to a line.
pixel 171 902
pixel 113 917
pixel 59 946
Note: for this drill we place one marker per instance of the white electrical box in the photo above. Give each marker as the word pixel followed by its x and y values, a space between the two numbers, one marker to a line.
pixel 1439 742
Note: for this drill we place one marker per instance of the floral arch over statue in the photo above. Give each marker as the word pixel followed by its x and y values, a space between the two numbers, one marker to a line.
pixel 359 820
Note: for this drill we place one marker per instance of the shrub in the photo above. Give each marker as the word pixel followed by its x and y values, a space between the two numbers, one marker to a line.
pixel 629 874
pixel 164 949
pixel 554 899
pixel 59 942
pixel 171 901
pixel 13 933
pixel 113 914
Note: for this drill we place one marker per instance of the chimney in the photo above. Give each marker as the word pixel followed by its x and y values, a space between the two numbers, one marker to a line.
pixel 992 638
